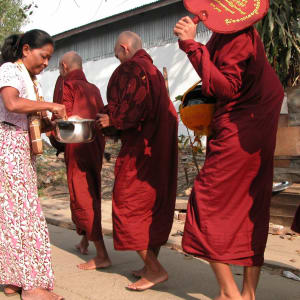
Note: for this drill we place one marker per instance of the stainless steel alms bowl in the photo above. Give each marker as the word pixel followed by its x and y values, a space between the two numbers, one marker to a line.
pixel 75 131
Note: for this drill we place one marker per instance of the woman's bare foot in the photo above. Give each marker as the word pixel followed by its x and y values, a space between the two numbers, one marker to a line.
pixel 95 263
pixel 148 280
pixel 83 246
pixel 40 294
pixel 11 289
pixel 139 273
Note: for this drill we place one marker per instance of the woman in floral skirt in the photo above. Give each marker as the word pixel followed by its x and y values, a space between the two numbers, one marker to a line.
pixel 25 255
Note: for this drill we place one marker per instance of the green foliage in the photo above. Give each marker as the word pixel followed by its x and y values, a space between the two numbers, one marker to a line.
pixel 280 32
pixel 13 14
pixel 178 98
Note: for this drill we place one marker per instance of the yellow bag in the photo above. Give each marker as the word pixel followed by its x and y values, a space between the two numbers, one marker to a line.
pixel 197 111
pixel 34 124
pixel 38 123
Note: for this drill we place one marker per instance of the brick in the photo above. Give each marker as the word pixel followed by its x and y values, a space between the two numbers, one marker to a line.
pixel 282 163
pixel 283 121
pixel 288 141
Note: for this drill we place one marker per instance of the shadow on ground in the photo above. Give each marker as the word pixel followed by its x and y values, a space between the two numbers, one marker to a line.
pixel 189 278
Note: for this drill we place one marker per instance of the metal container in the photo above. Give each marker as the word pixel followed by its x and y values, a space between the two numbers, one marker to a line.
pixel 75 131
pixel 280 186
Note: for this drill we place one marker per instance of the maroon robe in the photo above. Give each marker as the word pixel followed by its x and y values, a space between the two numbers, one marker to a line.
pixel 146 169
pixel 58 90
pixel 84 160
pixel 296 222
pixel 57 98
pixel 228 210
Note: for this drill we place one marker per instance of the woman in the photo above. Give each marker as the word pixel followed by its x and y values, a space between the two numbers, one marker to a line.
pixel 228 212
pixel 26 267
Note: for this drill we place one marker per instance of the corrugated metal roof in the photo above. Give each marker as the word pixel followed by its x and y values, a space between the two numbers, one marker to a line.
pixel 155 27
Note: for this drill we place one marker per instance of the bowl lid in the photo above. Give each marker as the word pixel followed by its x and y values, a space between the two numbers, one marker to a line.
pixel 228 16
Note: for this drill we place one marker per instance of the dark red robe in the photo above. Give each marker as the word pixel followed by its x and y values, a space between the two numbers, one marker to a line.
pixel 228 211
pixel 84 160
pixel 57 98
pixel 296 222
pixel 58 90
pixel 146 169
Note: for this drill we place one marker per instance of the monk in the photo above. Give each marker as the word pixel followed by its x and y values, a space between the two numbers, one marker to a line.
pixel 84 161
pixel 228 211
pixel 146 169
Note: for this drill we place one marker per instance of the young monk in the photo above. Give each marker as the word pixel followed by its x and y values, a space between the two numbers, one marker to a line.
pixel 84 161
pixel 228 212
pixel 146 169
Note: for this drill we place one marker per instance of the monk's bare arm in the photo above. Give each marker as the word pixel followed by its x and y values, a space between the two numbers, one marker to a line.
pixel 14 103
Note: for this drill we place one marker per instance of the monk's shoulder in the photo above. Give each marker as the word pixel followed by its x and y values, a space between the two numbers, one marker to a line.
pixel 132 69
pixel 128 71
pixel 244 37
pixel 239 46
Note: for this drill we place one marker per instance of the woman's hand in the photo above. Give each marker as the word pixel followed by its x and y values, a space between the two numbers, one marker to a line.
pixel 58 110
pixel 185 29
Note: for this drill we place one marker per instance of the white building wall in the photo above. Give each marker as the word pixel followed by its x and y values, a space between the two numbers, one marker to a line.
pixel 181 74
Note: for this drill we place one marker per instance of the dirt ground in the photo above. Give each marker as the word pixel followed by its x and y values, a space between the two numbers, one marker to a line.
pixel 52 171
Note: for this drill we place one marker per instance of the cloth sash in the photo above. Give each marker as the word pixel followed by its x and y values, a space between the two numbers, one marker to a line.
pixel 30 82
pixel 33 91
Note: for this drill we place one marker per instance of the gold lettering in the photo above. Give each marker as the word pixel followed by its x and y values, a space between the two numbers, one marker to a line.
pixel 241 3
pixel 230 3
pixel 216 8
pixel 225 7
pixel 254 12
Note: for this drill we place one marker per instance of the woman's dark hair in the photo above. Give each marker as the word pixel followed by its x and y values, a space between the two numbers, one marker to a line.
pixel 12 48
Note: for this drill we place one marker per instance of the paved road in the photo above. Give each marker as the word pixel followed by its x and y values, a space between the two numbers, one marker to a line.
pixel 190 278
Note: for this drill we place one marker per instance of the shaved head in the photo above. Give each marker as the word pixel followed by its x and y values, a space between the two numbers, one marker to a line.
pixel 131 39
pixel 70 61
pixel 129 43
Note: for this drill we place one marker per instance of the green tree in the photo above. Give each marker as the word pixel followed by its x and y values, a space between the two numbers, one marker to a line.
pixel 280 32
pixel 13 14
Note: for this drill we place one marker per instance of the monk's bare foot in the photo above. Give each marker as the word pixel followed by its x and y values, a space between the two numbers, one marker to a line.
pixel 248 297
pixel 223 297
pixel 40 294
pixel 11 289
pixel 95 263
pixel 82 247
pixel 139 273
pixel 149 280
